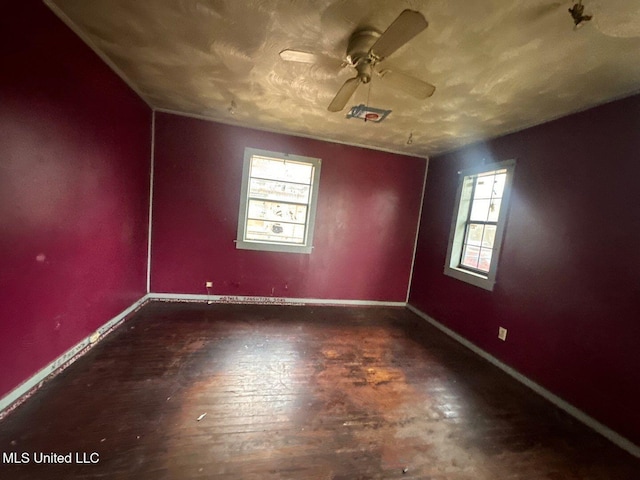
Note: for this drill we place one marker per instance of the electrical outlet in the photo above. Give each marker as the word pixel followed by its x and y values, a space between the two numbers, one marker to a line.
pixel 502 333
pixel 209 285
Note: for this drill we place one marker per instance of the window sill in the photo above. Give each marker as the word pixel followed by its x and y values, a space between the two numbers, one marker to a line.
pixel 273 247
pixel 472 278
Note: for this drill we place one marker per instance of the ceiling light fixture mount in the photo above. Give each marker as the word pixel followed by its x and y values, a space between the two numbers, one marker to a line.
pixel 577 13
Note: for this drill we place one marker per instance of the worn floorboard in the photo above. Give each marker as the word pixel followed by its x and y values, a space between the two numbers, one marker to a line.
pixel 281 392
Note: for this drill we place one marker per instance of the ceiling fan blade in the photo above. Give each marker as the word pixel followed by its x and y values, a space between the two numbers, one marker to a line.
pixel 298 56
pixel 324 61
pixel 408 24
pixel 344 94
pixel 408 84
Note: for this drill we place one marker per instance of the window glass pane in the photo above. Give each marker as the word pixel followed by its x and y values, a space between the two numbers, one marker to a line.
pixel 484 186
pixel 274 231
pixel 470 256
pixel 494 210
pixel 280 169
pixel 489 237
pixel 484 262
pixel 498 185
pixel 274 190
pixel 480 210
pixel 259 209
pixel 474 234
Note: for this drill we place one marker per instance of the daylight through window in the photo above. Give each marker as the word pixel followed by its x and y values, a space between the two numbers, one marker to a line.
pixel 478 224
pixel 278 202
pixel 482 222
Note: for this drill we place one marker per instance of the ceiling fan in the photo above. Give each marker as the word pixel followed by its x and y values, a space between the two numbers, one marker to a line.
pixel 366 50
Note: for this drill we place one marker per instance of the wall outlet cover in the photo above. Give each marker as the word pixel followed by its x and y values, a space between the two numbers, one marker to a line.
pixel 502 333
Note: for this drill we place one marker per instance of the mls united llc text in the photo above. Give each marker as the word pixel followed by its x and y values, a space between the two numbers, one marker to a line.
pixel 51 457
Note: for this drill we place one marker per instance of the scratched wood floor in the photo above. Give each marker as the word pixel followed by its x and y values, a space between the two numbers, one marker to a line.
pixel 298 393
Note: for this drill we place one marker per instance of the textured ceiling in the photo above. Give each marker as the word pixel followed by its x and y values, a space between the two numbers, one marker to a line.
pixel 498 65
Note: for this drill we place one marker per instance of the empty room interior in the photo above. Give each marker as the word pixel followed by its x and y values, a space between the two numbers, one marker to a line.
pixel 328 239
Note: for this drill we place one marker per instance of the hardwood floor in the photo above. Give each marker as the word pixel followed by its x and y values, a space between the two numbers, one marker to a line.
pixel 281 392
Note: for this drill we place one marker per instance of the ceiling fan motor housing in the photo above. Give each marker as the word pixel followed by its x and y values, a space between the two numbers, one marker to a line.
pixel 360 44
pixel 359 53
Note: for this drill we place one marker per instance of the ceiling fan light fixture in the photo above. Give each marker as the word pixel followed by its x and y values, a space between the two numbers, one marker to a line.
pixel 367 113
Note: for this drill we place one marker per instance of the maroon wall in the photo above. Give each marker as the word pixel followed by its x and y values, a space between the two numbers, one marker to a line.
pixel 365 229
pixel 568 282
pixel 74 169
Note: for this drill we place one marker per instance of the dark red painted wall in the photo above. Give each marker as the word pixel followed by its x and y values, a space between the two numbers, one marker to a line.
pixel 568 283
pixel 365 230
pixel 74 170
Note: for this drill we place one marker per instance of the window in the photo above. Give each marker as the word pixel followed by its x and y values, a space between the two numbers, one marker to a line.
pixel 478 223
pixel 278 202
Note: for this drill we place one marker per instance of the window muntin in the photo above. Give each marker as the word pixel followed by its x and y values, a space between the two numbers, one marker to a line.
pixel 478 223
pixel 277 210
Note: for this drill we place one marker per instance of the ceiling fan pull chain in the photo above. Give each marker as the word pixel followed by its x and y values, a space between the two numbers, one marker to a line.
pixel 368 96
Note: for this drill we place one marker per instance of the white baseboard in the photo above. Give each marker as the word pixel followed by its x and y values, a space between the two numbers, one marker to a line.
pixel 237 299
pixel 27 388
pixel 603 430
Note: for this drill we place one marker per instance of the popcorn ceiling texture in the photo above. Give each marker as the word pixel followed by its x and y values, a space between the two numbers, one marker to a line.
pixel 498 65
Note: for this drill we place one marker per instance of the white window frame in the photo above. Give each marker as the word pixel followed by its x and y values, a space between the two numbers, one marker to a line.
pixel 274 246
pixel 453 266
